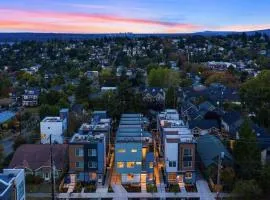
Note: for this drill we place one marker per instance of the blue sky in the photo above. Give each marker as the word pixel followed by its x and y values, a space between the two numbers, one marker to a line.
pixel 88 16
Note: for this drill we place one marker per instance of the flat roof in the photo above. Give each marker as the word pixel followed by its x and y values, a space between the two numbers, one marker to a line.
pixel 52 119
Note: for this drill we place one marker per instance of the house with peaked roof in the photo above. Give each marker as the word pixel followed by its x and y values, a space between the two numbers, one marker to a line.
pixel 231 122
pixel 209 148
pixel 36 160
pixel 204 126
pixel 154 96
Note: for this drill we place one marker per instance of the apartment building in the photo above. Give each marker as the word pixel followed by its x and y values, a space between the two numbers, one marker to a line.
pixel 30 97
pixel 54 127
pixel 87 157
pixel 12 184
pixel 134 158
pixel 178 148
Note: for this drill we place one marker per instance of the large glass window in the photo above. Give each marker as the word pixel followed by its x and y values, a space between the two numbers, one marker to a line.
pixel 120 164
pixel 187 152
pixel 79 164
pixel 130 164
pixel 130 177
pixel 172 163
pixel 121 150
pixel 79 152
pixel 133 150
pixel 187 163
pixel 92 152
pixel 92 164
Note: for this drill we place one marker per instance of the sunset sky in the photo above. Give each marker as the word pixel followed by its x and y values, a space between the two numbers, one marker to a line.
pixel 138 16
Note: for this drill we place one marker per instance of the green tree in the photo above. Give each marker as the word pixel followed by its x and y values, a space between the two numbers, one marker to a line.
pixel 83 90
pixel 18 142
pixel 171 97
pixel 247 189
pixel 255 95
pixel 246 153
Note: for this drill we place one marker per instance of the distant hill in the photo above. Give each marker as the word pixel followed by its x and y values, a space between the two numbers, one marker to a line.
pixel 13 37
pixel 224 33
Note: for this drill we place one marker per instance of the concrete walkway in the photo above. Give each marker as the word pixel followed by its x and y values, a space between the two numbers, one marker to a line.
pixel 203 190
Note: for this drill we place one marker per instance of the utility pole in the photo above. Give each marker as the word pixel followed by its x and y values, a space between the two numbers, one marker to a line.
pixel 220 157
pixel 52 174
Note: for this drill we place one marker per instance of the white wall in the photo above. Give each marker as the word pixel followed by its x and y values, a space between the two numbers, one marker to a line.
pixel 51 128
pixel 171 154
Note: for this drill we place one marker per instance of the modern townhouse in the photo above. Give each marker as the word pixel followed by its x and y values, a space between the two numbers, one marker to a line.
pixel 134 157
pixel 87 157
pixel 52 129
pixel 178 148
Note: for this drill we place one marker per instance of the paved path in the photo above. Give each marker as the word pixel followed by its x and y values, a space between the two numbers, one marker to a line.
pixel 203 190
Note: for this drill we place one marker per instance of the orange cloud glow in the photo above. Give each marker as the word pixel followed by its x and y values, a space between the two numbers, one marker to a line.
pixel 45 21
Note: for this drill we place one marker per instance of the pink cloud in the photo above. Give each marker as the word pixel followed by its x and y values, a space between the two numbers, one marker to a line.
pixel 84 22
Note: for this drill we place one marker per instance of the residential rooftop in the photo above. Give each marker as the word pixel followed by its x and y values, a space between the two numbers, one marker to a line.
pixel 52 119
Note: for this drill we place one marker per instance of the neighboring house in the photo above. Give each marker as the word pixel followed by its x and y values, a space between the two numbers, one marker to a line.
pixel 30 97
pixel 6 102
pixel 134 159
pixel 210 149
pixel 12 184
pixel 5 117
pixel 202 127
pixel 36 159
pixel 78 109
pixel 178 147
pixel 54 127
pixel 87 157
pixel 154 97
pixel 231 122
pixel 91 75
pixel 107 89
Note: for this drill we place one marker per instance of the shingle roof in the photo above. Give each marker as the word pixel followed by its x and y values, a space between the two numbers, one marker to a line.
pixel 5 116
pixel 204 124
pixel 33 156
pixel 232 117
pixel 209 148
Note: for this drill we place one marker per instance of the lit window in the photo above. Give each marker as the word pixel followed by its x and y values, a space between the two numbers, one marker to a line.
pixel 130 164
pixel 138 163
pixel 188 175
pixel 151 165
pixel 133 150
pixel 121 150
pixel 130 177
pixel 120 164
